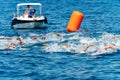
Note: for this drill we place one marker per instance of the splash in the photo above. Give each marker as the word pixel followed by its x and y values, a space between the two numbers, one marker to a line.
pixel 62 42
pixel 77 43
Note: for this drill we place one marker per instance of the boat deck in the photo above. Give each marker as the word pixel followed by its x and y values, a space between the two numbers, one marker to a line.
pixel 25 17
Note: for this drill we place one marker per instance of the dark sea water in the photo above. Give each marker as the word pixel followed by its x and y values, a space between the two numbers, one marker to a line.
pixel 32 61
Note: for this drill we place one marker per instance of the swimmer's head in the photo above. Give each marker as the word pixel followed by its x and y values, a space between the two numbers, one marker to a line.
pixel 43 38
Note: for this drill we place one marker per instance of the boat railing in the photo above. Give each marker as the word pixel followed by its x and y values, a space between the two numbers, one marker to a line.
pixel 31 4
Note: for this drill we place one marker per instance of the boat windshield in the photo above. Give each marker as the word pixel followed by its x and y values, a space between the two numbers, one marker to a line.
pixel 21 8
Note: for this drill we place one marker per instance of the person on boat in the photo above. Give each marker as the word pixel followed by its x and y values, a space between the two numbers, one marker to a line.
pixel 26 11
pixel 32 13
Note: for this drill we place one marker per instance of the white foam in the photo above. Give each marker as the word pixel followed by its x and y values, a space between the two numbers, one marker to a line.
pixel 72 42
pixel 99 47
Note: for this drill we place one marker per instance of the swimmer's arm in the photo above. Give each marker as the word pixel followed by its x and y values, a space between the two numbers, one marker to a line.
pixel 86 48
pixel 46 45
pixel 8 46
pixel 66 45
pixel 111 47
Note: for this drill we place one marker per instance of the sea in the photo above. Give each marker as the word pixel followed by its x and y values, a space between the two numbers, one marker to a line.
pixel 52 53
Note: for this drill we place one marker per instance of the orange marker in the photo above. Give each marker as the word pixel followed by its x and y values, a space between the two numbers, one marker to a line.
pixel 75 21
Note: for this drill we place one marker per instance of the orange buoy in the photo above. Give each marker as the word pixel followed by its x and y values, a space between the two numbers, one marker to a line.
pixel 75 21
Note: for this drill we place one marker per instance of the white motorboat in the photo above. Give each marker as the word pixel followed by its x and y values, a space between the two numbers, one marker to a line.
pixel 22 21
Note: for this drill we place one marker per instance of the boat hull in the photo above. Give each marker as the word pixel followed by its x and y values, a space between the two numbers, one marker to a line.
pixel 27 24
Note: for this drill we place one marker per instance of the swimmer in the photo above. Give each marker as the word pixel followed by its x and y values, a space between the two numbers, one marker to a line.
pixel 111 46
pixel 56 34
pixel 79 46
pixel 66 45
pixel 43 38
pixel 46 45
pixel 105 48
pixel 5 38
pixel 10 46
pixel 86 48
pixel 59 35
pixel 20 41
pixel 35 38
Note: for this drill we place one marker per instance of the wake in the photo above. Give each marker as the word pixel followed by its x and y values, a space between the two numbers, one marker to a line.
pixel 62 42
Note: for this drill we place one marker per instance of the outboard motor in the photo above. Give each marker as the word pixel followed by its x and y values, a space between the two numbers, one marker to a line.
pixel 45 21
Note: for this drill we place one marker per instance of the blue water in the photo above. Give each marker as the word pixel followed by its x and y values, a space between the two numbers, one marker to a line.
pixel 35 62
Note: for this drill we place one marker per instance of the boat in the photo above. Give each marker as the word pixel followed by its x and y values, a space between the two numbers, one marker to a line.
pixel 22 21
